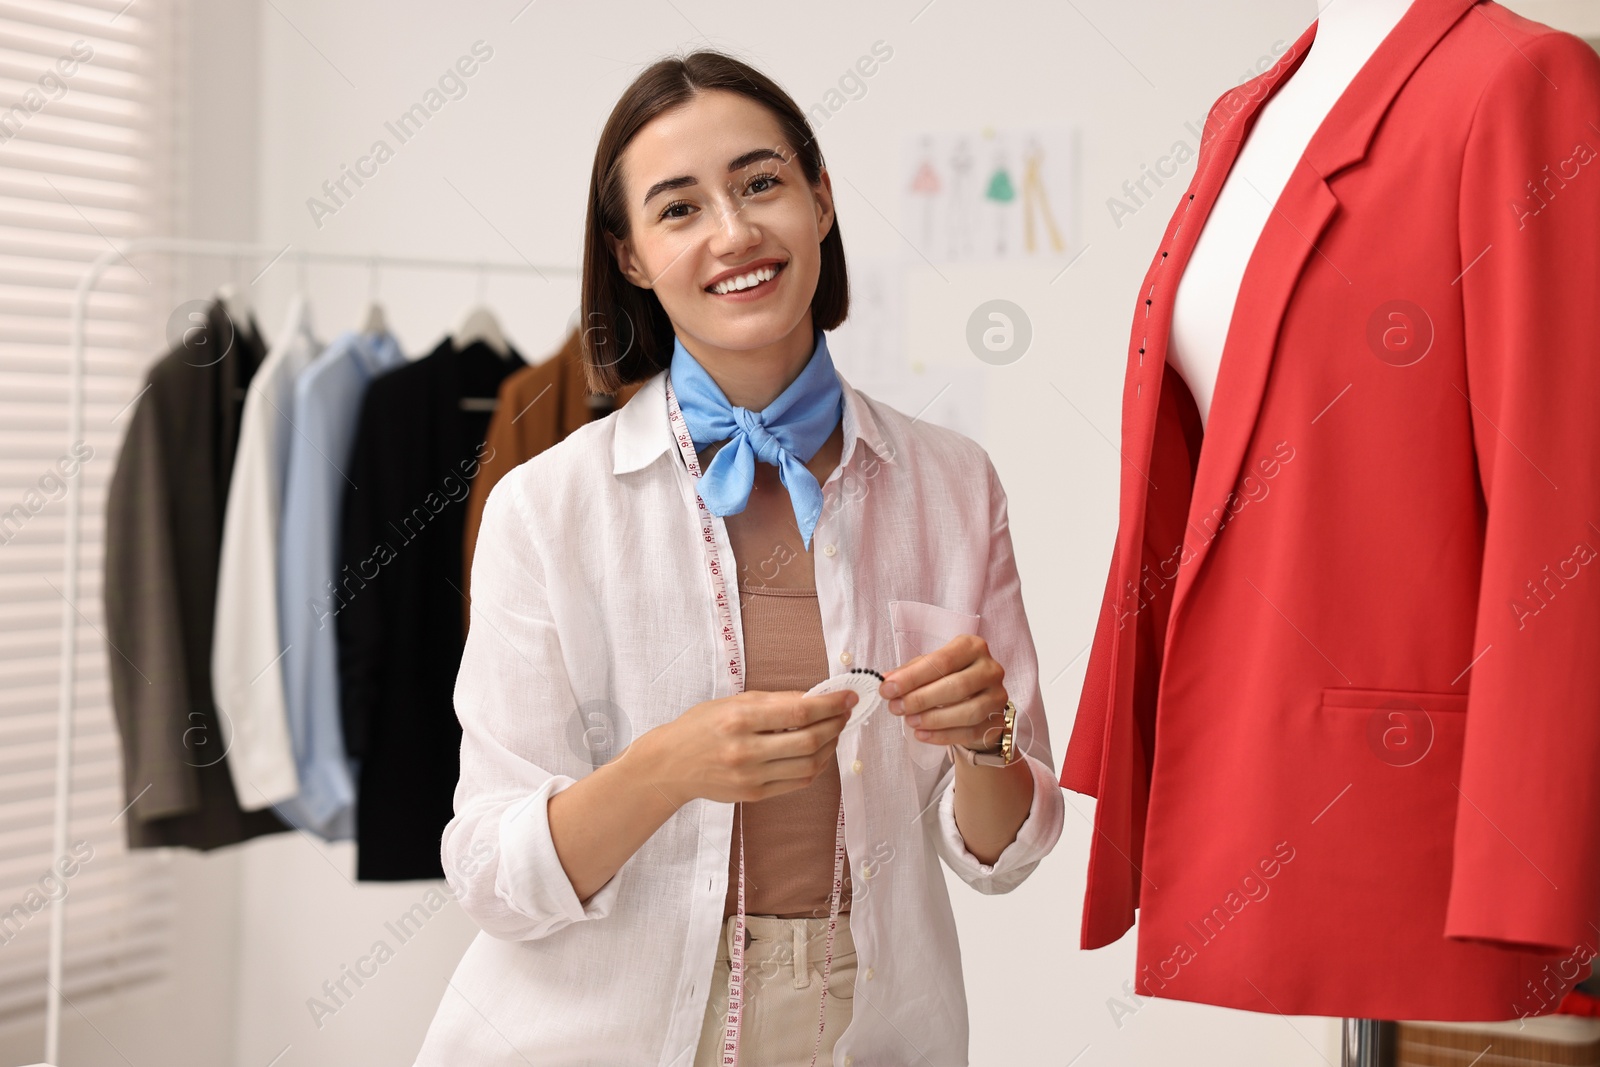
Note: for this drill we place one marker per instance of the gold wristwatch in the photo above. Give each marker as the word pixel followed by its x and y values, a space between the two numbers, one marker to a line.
pixel 1002 755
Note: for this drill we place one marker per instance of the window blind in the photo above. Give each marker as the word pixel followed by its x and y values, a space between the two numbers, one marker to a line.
pixel 86 106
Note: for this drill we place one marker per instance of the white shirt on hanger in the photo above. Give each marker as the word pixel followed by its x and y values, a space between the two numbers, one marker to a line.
pixel 246 679
pixel 592 609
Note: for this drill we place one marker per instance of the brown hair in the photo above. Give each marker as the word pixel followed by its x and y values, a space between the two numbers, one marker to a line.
pixel 643 339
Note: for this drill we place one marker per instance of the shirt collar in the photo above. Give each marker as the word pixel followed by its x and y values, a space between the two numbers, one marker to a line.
pixel 643 432
pixel 376 352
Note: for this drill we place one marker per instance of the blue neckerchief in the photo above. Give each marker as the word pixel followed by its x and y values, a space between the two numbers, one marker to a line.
pixel 785 433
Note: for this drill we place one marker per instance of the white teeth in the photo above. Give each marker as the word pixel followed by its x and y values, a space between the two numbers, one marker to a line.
pixel 745 281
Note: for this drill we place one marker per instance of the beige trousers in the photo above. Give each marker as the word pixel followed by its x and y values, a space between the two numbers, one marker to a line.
pixel 782 992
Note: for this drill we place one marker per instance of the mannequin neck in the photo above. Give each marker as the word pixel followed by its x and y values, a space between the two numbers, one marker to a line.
pixel 1353 29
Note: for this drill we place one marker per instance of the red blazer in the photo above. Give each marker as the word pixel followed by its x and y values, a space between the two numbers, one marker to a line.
pixel 1342 710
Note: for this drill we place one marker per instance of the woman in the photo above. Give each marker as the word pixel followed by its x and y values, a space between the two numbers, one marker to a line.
pixel 620 706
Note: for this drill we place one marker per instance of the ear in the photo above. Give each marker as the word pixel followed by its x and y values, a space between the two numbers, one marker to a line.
pixel 823 192
pixel 627 263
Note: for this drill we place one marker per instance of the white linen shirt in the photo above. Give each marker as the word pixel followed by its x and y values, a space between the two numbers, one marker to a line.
pixel 593 622
pixel 246 676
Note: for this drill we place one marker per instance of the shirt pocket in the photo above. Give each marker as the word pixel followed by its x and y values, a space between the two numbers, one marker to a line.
pixel 918 629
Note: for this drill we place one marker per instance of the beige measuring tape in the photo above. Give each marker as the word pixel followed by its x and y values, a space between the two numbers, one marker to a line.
pixel 864 681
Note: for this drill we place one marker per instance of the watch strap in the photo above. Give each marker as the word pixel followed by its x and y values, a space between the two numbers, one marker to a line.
pixel 1002 755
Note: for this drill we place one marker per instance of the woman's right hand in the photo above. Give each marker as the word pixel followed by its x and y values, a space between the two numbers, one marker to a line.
pixel 748 746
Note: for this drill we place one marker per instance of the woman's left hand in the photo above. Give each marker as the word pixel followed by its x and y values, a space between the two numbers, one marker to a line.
pixel 952 695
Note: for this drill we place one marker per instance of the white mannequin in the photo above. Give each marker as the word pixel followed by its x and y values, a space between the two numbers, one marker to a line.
pixel 1348 32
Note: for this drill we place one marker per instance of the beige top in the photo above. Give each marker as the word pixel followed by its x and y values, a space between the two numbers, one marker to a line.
pixel 788 838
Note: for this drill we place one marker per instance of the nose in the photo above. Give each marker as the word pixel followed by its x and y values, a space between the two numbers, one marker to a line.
pixel 736 230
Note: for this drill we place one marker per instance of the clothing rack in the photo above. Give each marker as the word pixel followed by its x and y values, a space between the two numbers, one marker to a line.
pixel 120 251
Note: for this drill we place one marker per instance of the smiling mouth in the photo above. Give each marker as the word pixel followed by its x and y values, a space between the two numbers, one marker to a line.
pixel 774 270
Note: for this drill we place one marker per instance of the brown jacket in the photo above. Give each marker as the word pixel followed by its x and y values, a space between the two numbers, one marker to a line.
pixel 537 407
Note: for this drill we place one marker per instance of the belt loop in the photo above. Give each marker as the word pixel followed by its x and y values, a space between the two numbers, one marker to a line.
pixel 802 966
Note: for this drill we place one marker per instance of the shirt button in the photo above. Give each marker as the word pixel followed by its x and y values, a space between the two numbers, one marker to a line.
pixel 869 974
pixel 829 549
pixel 846 658
pixel 848 1060
pixel 856 766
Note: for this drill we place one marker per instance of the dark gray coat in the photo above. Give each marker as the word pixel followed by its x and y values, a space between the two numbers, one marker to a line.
pixel 163 536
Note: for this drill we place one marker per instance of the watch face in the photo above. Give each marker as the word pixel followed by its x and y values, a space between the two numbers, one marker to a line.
pixel 865 682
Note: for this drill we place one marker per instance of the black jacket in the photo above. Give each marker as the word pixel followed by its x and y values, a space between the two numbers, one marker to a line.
pixel 398 605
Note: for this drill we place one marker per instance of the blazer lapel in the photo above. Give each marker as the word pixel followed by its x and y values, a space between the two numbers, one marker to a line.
pixel 1226 126
pixel 1288 243
pixel 1114 879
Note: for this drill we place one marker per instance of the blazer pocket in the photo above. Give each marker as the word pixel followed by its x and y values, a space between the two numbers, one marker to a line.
pixel 1343 696
pixel 1401 725
pixel 1369 778
pixel 918 629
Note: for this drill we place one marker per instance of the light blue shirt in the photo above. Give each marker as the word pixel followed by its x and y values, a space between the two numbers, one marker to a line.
pixel 327 405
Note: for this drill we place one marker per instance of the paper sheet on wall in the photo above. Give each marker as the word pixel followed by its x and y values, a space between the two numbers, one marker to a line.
pixel 990 195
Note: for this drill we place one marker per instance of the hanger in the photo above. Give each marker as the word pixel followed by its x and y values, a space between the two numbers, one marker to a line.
pixel 375 322
pixel 235 304
pixel 235 300
pixel 480 324
pixel 302 304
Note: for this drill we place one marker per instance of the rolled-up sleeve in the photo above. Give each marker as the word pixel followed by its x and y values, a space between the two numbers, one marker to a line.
pixel 530 880
pixel 514 700
pixel 1004 626
pixel 1036 837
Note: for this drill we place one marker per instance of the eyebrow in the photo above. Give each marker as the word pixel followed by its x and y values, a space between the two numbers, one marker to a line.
pixel 737 163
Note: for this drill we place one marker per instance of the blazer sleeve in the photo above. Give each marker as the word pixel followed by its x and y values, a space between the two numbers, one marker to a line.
pixel 1084 762
pixel 148 669
pixel 1526 865
pixel 511 696
pixel 1003 623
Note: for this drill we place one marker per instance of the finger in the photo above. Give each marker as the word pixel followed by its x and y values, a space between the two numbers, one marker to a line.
pixel 977 723
pixel 792 755
pixel 951 656
pixel 792 710
pixel 831 709
pixel 959 685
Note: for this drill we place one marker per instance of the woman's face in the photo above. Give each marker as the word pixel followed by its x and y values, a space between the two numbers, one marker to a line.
pixel 713 187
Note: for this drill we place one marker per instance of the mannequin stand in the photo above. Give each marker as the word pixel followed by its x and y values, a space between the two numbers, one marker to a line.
pixel 1366 1043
